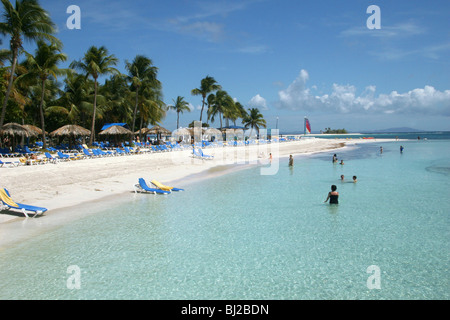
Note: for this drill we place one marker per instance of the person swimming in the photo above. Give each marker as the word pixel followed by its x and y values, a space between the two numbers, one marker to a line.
pixel 333 195
pixel 355 179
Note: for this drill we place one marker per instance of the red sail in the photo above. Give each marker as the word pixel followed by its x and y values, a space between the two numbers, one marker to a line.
pixel 307 126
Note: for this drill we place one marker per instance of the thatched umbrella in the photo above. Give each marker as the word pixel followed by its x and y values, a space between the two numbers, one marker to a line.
pixel 35 131
pixel 71 131
pixel 116 131
pixel 159 131
pixel 183 134
pixel 212 132
pixel 143 131
pixel 14 129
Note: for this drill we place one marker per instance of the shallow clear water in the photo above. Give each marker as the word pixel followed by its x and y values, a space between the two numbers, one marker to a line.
pixel 251 236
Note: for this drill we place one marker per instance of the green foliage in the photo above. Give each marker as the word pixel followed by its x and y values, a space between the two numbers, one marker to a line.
pixel 335 131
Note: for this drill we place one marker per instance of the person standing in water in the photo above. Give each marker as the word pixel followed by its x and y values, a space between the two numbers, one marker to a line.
pixel 291 161
pixel 335 159
pixel 401 149
pixel 333 195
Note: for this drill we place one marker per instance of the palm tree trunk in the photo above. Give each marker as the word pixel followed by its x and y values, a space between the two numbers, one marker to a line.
pixel 41 111
pixel 91 140
pixel 8 91
pixel 203 106
pixel 178 119
pixel 135 108
pixel 140 129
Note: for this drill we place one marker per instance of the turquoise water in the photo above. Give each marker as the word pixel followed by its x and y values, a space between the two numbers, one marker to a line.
pixel 250 236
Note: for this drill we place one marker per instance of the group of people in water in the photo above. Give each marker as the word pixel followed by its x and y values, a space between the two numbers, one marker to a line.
pixel 333 195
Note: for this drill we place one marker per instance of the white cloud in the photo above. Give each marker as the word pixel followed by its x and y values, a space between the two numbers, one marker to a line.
pixel 209 31
pixel 258 102
pixel 399 30
pixel 345 99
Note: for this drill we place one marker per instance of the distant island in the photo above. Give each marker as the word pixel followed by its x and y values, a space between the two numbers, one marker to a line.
pixel 334 131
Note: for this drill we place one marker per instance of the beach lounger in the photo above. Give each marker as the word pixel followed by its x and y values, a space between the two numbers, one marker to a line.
pixel 8 203
pixel 199 154
pixel 161 186
pixel 206 156
pixel 143 187
pixel 63 156
pixel 87 153
pixel 120 151
pixel 50 158
pixel 10 163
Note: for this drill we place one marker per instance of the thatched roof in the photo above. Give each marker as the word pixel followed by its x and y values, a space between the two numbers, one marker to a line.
pixel 159 130
pixel 143 131
pixel 15 129
pixel 35 131
pixel 71 130
pixel 212 132
pixel 116 130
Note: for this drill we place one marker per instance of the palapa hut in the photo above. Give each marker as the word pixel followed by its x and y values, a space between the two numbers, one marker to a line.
pixel 14 129
pixel 117 131
pixel 182 135
pixel 159 131
pixel 71 131
pixel 212 134
pixel 34 131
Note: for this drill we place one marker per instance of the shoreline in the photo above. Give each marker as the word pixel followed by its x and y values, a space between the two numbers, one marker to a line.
pixel 84 185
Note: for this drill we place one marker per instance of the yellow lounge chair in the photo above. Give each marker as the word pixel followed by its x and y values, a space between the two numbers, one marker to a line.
pixel 9 203
pixel 164 187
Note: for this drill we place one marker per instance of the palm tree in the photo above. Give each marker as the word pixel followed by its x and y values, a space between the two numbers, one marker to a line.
pixel 119 100
pixel 139 71
pixel 254 119
pixel 207 85
pixel 44 65
pixel 76 101
pixel 180 105
pixel 221 103
pixel 27 20
pixel 239 112
pixel 96 62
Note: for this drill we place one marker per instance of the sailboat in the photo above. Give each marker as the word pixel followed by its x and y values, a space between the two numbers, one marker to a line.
pixel 307 126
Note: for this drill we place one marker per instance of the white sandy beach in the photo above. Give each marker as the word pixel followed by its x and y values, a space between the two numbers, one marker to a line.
pixel 72 183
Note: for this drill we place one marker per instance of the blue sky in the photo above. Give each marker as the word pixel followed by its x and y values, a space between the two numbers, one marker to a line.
pixel 289 58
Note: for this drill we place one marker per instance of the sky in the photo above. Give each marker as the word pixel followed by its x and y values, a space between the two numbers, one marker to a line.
pixel 290 58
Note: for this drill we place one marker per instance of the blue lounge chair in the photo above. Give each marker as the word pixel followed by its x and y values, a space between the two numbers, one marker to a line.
pixel 206 156
pixel 50 158
pixel 199 154
pixel 143 187
pixel 10 163
pixel 63 156
pixel 120 151
pixel 8 203
pixel 87 153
